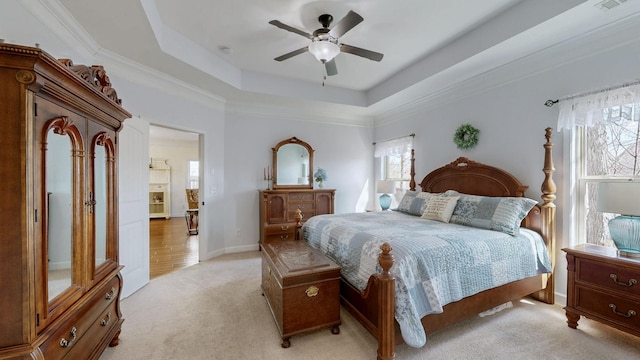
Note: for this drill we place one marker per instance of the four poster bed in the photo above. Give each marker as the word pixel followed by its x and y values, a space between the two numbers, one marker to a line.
pixel 378 286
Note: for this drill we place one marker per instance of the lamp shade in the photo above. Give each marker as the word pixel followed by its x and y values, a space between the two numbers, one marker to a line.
pixel 385 187
pixel 324 50
pixel 619 198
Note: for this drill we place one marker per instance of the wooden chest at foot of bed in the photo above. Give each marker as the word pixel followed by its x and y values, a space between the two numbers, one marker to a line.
pixel 302 288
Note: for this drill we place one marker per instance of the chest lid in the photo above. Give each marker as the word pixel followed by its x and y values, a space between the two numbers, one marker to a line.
pixel 297 262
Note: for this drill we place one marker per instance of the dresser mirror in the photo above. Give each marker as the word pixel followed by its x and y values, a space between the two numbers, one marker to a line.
pixel 59 222
pixel 292 164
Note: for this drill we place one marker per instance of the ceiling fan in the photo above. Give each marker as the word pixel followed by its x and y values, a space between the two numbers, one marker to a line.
pixel 324 41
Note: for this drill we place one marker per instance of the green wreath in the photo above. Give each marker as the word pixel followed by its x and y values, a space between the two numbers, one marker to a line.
pixel 466 137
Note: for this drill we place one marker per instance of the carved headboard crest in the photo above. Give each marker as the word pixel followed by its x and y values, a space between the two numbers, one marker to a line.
pixel 96 76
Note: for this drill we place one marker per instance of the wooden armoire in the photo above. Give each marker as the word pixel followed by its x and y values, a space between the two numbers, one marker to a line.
pixel 60 277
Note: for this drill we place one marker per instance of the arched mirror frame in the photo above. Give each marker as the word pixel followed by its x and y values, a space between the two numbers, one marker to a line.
pixel 100 270
pixel 294 140
pixel 63 126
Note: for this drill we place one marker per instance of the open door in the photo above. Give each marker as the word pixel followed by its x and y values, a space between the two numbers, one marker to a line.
pixel 133 196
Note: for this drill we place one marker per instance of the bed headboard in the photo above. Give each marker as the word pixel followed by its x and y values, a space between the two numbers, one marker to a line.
pixel 470 177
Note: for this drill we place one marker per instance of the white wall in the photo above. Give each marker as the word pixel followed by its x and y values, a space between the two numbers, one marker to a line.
pixel 511 119
pixel 345 152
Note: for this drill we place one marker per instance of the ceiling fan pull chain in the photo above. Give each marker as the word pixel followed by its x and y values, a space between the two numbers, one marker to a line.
pixel 324 75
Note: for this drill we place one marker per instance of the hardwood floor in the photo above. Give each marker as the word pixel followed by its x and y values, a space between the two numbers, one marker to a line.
pixel 170 247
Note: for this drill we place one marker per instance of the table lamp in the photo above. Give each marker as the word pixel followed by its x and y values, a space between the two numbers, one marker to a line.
pixel 622 198
pixel 385 187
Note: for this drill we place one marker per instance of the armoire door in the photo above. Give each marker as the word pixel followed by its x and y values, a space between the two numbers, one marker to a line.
pixel 59 219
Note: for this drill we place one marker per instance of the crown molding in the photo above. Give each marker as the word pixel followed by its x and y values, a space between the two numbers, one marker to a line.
pixel 598 41
pixel 304 113
pixel 149 77
pixel 60 21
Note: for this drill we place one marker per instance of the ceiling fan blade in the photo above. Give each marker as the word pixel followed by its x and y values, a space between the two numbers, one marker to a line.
pixel 345 24
pixel 371 55
pixel 292 54
pixel 290 28
pixel 331 67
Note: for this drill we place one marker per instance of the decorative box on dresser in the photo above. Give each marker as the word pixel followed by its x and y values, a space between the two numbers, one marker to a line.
pixel 61 278
pixel 278 210
pixel 603 286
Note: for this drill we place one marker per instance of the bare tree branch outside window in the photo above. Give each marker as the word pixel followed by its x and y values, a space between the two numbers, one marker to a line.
pixel 611 150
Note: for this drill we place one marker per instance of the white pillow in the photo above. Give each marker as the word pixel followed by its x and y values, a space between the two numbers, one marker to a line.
pixel 440 208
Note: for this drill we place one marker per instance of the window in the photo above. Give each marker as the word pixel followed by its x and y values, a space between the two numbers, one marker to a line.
pixel 395 164
pixel 193 174
pixel 398 169
pixel 609 150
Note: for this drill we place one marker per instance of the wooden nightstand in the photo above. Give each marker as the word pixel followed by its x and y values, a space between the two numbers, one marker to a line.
pixel 604 287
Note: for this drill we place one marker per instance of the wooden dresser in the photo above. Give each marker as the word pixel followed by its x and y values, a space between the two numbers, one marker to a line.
pixel 278 210
pixel 61 280
pixel 302 288
pixel 604 287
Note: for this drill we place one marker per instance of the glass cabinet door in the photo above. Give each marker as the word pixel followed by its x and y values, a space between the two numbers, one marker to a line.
pixel 58 236
pixel 101 197
pixel 59 168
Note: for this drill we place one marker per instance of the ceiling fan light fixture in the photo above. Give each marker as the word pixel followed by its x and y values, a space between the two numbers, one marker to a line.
pixel 324 50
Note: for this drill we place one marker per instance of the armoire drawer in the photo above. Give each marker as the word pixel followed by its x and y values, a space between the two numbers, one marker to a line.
pixel 67 334
pixel 99 329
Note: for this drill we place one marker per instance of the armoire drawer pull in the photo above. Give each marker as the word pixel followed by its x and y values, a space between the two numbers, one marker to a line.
pixel 66 343
pixel 631 282
pixel 110 294
pixel 284 237
pixel 629 313
pixel 106 320
pixel 284 227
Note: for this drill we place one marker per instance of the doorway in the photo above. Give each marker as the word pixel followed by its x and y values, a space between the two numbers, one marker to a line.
pixel 172 244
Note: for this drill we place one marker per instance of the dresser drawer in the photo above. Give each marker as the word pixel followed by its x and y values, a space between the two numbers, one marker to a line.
pixel 609 276
pixel 299 197
pixel 622 311
pixel 279 232
pixel 67 334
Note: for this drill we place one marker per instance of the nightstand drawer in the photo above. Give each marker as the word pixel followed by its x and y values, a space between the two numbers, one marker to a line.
pixel 609 276
pixel 606 306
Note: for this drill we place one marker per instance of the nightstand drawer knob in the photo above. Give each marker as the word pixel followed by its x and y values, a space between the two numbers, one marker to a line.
pixel 629 313
pixel 631 282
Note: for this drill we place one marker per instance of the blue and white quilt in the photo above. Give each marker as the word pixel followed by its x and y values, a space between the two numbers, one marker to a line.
pixel 435 263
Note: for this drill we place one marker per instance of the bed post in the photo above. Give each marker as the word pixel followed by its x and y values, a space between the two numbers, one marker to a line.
pixel 412 182
pixel 548 209
pixel 386 309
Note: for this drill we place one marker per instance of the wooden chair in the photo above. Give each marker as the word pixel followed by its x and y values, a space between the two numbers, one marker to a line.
pixel 191 215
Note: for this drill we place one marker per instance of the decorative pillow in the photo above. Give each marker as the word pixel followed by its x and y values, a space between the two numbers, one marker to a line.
pixel 440 208
pixel 494 213
pixel 413 202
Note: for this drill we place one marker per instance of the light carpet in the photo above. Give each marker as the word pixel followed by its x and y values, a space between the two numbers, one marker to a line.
pixel 215 310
